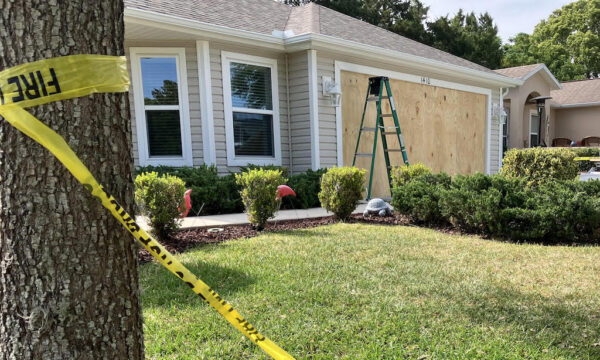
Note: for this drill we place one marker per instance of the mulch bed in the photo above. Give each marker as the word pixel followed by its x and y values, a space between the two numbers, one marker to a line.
pixel 186 239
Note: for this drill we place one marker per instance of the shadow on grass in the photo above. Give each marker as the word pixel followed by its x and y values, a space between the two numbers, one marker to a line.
pixel 161 288
pixel 542 321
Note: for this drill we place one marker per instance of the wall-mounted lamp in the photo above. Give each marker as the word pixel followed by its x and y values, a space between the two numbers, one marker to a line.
pixel 332 90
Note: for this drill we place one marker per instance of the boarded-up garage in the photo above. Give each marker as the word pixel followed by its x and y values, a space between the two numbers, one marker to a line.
pixel 445 129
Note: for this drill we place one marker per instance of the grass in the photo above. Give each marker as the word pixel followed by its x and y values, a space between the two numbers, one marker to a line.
pixel 351 291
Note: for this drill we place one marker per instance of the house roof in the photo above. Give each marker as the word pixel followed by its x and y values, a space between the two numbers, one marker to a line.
pixel 526 71
pixel 266 16
pixel 577 93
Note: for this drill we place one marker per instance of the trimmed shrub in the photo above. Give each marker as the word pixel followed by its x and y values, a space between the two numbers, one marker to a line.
pixel 341 190
pixel 258 192
pixel 159 198
pixel 403 174
pixel 419 197
pixel 211 193
pixel 307 187
pixel 538 165
pixel 475 203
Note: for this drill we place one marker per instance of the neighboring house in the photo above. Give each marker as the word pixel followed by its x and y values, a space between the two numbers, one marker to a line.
pixel 576 110
pixel 233 83
pixel 572 112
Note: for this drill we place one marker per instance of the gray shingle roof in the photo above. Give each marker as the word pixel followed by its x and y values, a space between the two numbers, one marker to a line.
pixel 264 16
pixel 518 72
pixel 577 92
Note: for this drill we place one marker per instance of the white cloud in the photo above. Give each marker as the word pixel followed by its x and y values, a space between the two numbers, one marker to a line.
pixel 511 16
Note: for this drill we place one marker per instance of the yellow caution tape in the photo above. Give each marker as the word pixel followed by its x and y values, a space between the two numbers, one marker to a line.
pixel 67 77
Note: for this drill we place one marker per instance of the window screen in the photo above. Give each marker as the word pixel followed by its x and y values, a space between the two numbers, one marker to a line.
pixel 534 131
pixel 252 102
pixel 162 106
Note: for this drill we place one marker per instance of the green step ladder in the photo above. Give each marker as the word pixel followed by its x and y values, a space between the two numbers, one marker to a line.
pixel 375 94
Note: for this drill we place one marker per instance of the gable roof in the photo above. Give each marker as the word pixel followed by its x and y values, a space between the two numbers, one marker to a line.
pixel 526 71
pixel 266 16
pixel 577 94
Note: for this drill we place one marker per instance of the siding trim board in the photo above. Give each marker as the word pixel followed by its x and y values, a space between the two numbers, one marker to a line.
pixel 345 66
pixel 313 95
pixel 206 105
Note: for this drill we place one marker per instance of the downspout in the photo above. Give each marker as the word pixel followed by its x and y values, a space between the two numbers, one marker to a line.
pixel 289 117
pixel 503 93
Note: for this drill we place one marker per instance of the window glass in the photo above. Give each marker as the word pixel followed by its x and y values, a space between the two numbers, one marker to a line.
pixel 164 132
pixel 253 134
pixel 251 86
pixel 159 81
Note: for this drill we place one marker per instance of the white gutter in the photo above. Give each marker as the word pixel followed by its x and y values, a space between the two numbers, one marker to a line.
pixel 312 41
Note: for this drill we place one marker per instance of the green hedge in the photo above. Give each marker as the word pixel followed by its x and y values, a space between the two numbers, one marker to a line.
pixel 554 212
pixel 341 190
pixel 538 165
pixel 259 193
pixel 213 194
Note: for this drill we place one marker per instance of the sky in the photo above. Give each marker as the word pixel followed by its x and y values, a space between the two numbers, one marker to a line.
pixel 511 16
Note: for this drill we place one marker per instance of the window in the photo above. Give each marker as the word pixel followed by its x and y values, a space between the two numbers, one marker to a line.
pixel 505 129
pixel 161 106
pixel 534 129
pixel 251 110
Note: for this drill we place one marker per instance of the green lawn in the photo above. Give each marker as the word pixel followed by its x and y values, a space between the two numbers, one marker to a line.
pixel 353 291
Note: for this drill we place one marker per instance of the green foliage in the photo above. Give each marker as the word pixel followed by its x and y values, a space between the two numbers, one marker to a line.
pixel 419 197
pixel 468 36
pixel 475 203
pixel 341 190
pixel 568 42
pixel 307 187
pixel 159 197
pixel 538 165
pixel 258 192
pixel 403 174
pixel 585 152
pixel 211 193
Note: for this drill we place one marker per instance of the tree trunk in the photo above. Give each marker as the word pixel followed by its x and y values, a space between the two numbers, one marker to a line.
pixel 68 270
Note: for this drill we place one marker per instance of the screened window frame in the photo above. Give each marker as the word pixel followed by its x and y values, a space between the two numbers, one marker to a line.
pixel 144 158
pixel 243 160
pixel 532 114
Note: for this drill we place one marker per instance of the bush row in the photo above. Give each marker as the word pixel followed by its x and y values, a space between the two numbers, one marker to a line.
pixel 213 194
pixel 553 212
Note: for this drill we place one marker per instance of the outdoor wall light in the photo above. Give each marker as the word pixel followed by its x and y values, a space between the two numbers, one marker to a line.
pixel 332 90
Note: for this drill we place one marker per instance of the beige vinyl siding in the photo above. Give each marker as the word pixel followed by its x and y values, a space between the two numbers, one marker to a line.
pixel 300 112
pixel 193 93
pixel 326 67
pixel 327 125
pixel 218 107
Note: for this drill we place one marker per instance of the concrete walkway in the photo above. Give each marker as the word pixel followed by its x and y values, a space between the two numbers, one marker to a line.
pixel 240 219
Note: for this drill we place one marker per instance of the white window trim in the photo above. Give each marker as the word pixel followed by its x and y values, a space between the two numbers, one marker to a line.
pixel 340 66
pixel 232 159
pixel 136 53
pixel 532 113
pixel 206 102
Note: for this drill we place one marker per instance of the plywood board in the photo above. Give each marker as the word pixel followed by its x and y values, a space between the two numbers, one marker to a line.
pixel 443 129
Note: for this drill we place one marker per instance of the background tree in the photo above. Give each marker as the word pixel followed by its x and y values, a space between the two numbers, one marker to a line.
pixel 468 36
pixel 68 277
pixel 568 42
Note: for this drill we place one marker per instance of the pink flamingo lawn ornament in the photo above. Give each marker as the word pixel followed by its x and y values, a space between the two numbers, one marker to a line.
pixel 283 191
pixel 188 204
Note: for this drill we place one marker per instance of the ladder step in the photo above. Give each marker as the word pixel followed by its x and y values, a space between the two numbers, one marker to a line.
pixel 393 150
pixel 376 98
pixel 389 133
pixel 368 129
pixel 363 155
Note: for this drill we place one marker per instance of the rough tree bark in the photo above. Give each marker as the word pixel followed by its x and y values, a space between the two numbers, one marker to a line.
pixel 68 271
